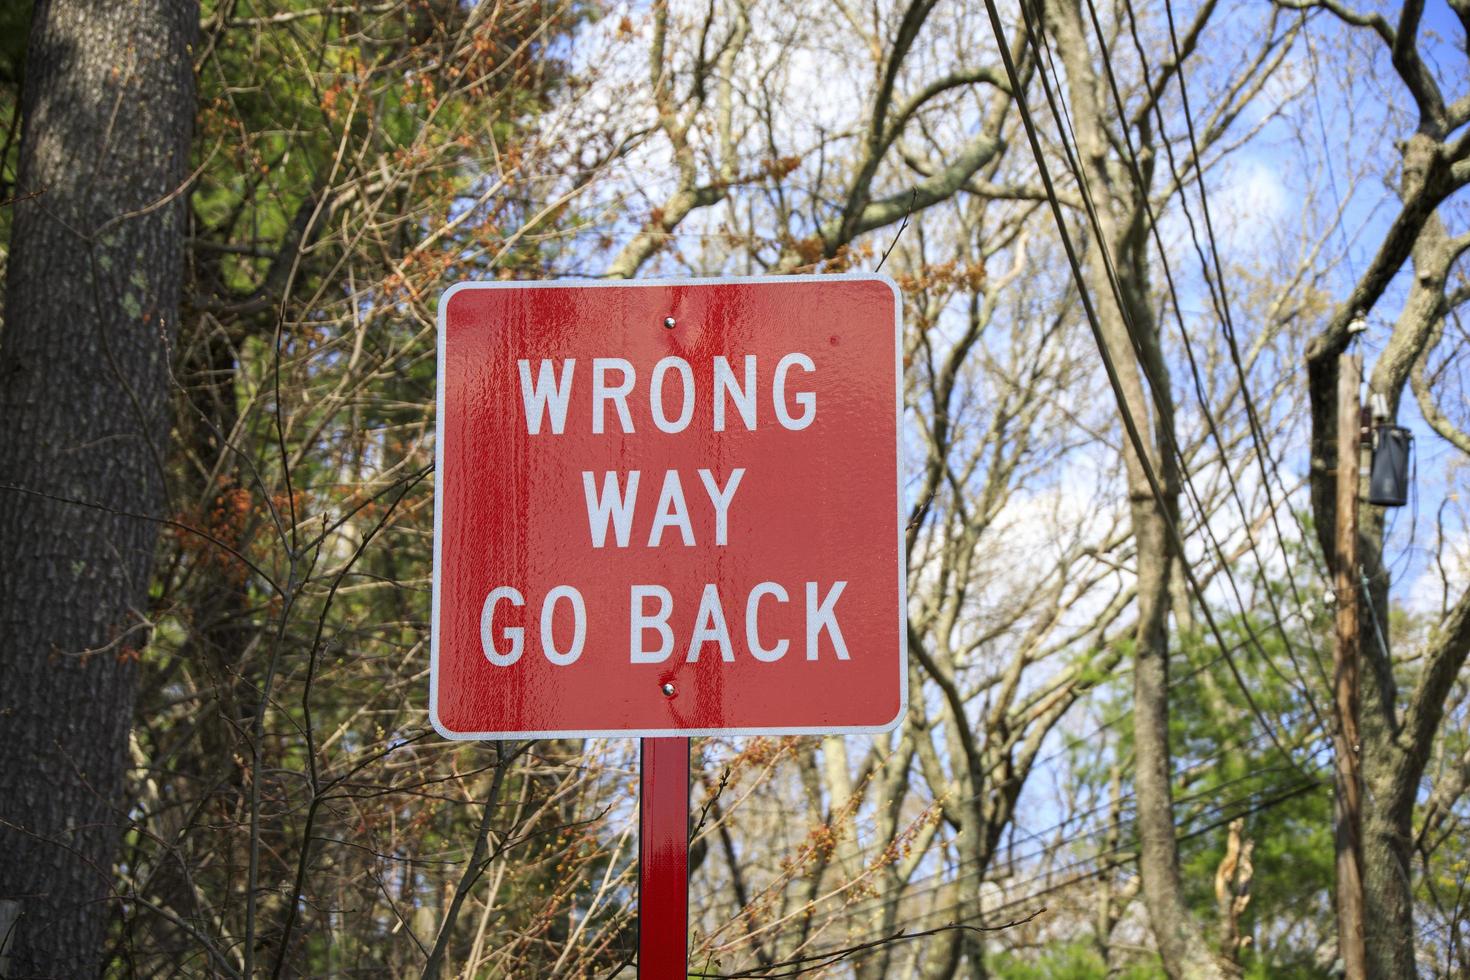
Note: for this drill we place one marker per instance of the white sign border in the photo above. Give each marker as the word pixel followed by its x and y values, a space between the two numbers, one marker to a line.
pixel 900 522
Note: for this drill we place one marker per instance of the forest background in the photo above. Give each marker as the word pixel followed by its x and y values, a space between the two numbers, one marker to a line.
pixel 1133 241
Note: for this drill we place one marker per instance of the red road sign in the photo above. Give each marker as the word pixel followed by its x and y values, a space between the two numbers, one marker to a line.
pixel 668 508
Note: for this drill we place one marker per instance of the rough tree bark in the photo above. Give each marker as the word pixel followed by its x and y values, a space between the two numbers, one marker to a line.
pixel 91 307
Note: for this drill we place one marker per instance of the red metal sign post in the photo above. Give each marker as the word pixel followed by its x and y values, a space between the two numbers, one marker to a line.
pixel 663 855
pixel 663 509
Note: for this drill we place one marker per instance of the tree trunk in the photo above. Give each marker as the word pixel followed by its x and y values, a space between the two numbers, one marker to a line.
pixel 91 308
pixel 1130 335
pixel 1181 942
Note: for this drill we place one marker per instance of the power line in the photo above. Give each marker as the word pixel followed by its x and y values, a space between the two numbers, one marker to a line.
pixel 1156 384
pixel 1130 425
pixel 1121 857
pixel 1130 796
pixel 909 891
pixel 1072 741
pixel 1256 807
pixel 1220 300
pixel 1125 410
pixel 1155 388
pixel 1256 434
pixel 1347 252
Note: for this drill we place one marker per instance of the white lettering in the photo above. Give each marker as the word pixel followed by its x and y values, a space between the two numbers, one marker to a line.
pixel 709 624
pixel 721 500
pixel 752 623
pixel 671 512
pixel 656 394
pixel 823 617
pixel 743 396
pixel 547 391
pixel 602 393
pixel 515 634
pixel 806 399
pixel 610 504
pixel 579 620
pixel 641 623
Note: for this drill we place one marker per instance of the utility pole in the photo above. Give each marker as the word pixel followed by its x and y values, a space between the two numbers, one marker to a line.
pixel 1347 801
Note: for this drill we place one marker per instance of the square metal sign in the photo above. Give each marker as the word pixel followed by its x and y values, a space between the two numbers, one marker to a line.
pixel 669 507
